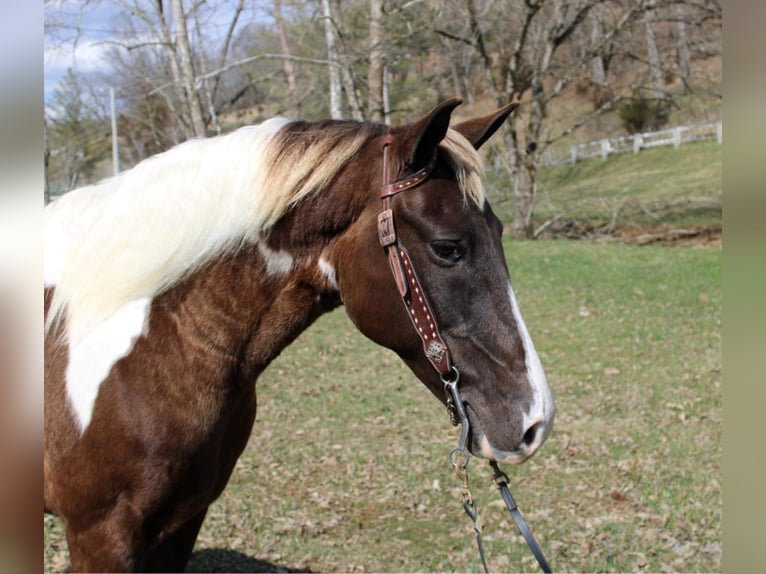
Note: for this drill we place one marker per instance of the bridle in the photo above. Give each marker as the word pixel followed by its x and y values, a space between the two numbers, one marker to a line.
pixel 436 350
pixel 408 283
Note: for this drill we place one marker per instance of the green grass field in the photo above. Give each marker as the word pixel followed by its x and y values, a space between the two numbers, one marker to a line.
pixel 347 469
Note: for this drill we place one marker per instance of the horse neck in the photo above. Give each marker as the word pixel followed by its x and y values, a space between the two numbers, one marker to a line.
pixel 258 300
pixel 247 307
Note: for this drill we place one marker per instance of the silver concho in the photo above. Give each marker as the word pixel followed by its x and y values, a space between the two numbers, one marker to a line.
pixel 435 352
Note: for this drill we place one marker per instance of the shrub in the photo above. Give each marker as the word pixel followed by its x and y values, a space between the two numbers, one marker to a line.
pixel 639 114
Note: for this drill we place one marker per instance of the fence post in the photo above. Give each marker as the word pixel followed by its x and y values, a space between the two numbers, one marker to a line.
pixel 719 132
pixel 677 137
pixel 573 153
pixel 605 148
pixel 638 141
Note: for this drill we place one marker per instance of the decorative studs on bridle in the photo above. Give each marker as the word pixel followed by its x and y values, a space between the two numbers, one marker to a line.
pixel 436 350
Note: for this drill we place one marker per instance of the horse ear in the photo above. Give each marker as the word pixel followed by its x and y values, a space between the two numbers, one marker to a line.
pixel 478 130
pixel 419 140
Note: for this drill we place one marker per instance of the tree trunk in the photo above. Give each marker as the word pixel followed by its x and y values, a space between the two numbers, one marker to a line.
pixel 336 111
pixel 524 191
pixel 375 108
pixel 597 63
pixel 653 55
pixel 209 98
pixel 292 84
pixel 188 77
pixel 346 71
pixel 525 132
pixel 386 100
pixel 170 48
pixel 684 69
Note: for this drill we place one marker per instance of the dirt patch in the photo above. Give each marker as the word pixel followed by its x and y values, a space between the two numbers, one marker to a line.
pixel 662 234
pixel 701 236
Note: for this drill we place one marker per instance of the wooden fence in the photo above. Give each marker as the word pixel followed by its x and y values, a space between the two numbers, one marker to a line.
pixel 635 143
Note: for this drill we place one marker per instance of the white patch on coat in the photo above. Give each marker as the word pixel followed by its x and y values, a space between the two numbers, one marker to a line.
pixel 542 408
pixel 328 272
pixel 277 262
pixel 93 354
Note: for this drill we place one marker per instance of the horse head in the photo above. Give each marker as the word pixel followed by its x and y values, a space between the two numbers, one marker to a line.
pixel 454 241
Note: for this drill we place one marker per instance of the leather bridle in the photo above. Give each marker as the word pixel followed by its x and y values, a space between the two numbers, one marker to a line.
pixel 437 352
pixel 408 283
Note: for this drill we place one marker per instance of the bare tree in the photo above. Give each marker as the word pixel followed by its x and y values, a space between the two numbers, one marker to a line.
pixel 537 67
pixel 347 73
pixel 156 25
pixel 653 57
pixel 597 63
pixel 336 109
pixel 684 66
pixel 292 84
pixel 375 108
pixel 188 77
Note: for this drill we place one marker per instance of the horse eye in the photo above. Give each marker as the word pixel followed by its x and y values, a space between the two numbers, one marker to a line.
pixel 449 251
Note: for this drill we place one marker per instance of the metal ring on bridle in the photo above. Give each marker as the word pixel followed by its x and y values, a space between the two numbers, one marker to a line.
pixel 453 394
pixel 453 460
pixel 445 377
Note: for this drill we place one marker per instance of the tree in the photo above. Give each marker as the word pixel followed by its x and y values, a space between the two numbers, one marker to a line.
pixel 375 108
pixel 653 56
pixel 554 43
pixel 79 139
pixel 336 110
pixel 292 83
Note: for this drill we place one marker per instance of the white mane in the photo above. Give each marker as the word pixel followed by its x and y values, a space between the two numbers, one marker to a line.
pixel 139 232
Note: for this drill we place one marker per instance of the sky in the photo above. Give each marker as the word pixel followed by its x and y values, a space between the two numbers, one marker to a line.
pixel 99 24
pixel 64 47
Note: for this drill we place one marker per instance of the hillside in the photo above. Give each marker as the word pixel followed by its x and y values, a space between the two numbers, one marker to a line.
pixel 655 195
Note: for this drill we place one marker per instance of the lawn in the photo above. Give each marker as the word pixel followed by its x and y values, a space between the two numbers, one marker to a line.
pixel 347 469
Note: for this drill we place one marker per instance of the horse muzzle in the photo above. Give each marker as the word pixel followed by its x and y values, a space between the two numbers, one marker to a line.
pixel 533 435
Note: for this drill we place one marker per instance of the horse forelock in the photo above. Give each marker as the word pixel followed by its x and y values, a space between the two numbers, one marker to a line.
pixel 467 164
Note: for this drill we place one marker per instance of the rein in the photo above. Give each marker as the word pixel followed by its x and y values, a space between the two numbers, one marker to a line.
pixel 437 352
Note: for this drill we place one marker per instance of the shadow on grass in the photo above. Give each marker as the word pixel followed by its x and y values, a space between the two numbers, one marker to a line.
pixel 221 560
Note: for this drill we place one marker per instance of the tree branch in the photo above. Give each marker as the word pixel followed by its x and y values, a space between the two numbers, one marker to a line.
pixel 249 60
pixel 227 44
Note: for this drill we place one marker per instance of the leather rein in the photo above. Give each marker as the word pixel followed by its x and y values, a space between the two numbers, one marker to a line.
pixel 437 352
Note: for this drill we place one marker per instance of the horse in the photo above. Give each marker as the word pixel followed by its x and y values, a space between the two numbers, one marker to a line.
pixel 170 287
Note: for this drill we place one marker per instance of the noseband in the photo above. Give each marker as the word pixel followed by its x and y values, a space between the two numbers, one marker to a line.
pixel 436 350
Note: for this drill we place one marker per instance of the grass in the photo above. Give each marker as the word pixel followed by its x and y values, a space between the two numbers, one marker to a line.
pixel 661 185
pixel 347 469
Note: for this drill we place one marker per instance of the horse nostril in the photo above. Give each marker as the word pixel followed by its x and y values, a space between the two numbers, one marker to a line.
pixel 531 435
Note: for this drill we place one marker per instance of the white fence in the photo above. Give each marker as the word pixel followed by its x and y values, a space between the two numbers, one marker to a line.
pixel 635 143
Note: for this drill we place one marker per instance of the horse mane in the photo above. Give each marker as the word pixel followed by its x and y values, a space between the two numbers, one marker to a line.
pixel 140 232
